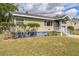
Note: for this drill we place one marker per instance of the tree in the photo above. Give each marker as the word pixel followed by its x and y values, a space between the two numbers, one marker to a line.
pixel 33 27
pixel 5 13
pixel 6 17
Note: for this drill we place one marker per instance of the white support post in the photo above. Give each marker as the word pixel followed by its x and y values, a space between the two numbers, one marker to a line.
pixel 61 27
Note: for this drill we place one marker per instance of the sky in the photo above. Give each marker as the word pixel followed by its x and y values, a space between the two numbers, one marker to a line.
pixel 49 9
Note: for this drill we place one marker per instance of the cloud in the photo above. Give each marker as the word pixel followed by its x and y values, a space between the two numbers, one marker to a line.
pixel 72 12
pixel 41 7
pixel 49 9
pixel 45 9
pixel 60 8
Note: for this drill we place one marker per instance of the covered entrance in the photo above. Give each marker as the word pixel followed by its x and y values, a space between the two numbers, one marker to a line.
pixel 60 26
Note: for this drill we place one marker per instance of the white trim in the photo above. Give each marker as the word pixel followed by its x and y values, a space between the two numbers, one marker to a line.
pixel 32 16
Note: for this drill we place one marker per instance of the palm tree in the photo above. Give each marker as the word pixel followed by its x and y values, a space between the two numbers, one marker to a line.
pixel 5 13
pixel 6 16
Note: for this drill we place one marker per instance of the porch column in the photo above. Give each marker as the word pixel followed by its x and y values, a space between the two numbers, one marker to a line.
pixel 61 28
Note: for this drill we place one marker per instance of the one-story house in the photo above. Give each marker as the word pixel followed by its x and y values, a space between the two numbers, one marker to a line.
pixel 46 23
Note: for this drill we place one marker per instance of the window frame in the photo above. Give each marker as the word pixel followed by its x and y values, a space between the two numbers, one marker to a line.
pixel 19 21
pixel 48 23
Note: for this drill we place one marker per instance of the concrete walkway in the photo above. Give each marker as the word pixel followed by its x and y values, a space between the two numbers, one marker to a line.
pixel 74 36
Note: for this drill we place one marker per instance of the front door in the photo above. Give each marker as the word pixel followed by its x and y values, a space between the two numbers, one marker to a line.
pixel 56 25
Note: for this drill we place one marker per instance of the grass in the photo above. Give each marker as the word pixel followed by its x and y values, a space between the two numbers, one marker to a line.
pixel 40 46
pixel 76 32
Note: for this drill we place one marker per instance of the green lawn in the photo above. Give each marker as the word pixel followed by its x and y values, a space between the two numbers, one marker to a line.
pixel 40 46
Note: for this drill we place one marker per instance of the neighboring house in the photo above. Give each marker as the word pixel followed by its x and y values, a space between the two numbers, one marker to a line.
pixel 46 23
pixel 73 22
pixel 76 23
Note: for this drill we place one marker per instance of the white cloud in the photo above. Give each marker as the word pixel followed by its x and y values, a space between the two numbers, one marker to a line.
pixel 29 6
pixel 60 8
pixel 45 9
pixel 40 6
pixel 72 12
pixel 48 9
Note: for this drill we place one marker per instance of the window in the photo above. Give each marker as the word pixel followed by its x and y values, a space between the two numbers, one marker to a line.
pixel 48 23
pixel 19 20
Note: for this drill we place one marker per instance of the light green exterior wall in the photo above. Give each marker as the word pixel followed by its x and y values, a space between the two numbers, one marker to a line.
pixel 42 27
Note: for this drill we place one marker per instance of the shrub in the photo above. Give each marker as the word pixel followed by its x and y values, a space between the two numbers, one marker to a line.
pixel 71 28
pixel 78 29
pixel 54 33
pixel 33 25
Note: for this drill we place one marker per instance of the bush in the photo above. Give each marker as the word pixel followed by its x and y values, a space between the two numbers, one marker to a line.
pixel 71 28
pixel 33 25
pixel 78 29
pixel 53 33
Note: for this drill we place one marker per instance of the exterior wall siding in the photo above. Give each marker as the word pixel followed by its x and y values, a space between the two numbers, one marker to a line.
pixel 42 27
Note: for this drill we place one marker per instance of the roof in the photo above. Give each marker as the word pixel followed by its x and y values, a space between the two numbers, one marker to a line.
pixel 33 16
pixel 54 17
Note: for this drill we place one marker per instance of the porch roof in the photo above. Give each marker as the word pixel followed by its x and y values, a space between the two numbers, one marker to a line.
pixel 34 16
